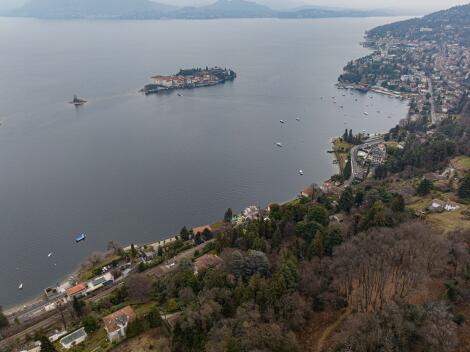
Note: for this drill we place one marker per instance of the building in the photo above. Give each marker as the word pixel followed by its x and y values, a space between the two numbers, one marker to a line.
pixel 74 339
pixel 251 213
pixel 100 281
pixel 78 291
pixel 308 192
pixel 116 323
pixel 207 261
pixel 57 335
pixel 200 229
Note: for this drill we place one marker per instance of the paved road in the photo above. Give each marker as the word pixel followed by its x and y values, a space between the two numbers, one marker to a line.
pixel 357 170
pixel 156 271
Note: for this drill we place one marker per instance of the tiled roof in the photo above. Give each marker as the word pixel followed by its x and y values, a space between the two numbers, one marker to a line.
pixel 76 289
pixel 120 317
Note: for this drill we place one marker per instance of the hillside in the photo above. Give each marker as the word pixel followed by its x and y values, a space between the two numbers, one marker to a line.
pixel 146 9
pixel 91 9
pixel 447 25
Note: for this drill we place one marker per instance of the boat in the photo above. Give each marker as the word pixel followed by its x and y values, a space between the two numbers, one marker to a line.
pixel 80 238
pixel 77 101
pixel 297 119
pixel 366 113
pixel 301 172
pixel 281 121
pixel 20 287
pixel 279 144
pixel 341 106
pixel 179 94
pixel 49 255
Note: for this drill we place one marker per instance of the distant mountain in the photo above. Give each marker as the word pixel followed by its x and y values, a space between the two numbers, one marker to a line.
pixel 92 9
pixel 226 9
pixel 146 9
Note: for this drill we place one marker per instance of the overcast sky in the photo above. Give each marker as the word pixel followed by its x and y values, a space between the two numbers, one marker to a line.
pixel 425 5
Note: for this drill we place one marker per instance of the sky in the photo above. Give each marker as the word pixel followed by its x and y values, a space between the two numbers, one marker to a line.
pixel 422 5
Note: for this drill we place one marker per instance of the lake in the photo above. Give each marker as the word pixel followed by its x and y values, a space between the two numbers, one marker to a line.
pixel 135 168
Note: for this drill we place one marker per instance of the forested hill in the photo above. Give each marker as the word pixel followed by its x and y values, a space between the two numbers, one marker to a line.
pixel 452 24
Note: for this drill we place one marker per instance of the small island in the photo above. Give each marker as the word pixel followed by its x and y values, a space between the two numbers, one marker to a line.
pixel 190 78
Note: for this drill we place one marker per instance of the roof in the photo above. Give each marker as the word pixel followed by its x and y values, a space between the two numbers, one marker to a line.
pixel 208 260
pixel 75 289
pixel 201 229
pixel 120 317
pixel 77 334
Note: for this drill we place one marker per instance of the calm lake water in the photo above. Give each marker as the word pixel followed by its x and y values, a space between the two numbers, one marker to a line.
pixel 132 168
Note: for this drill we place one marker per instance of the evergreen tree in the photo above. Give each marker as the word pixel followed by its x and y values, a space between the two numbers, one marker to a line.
pixel 350 136
pixel 46 345
pixel 228 215
pixel 424 187
pixel 346 201
pixel 345 135
pixel 464 188
pixel 347 170
pixel 3 319
pixel 184 233
pixel 90 323
pixel 78 306
pixel 398 203
pixel 133 251
pixel 153 318
pixel 359 197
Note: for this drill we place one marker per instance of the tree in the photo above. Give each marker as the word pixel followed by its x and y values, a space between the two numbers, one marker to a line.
pixel 345 135
pixel 139 287
pixel 359 197
pixel 398 203
pixel 347 169
pixel 78 306
pixel 3 319
pixel 464 188
pixel 424 187
pixel 184 233
pixel 346 201
pixel 90 323
pixel 350 136
pixel 153 318
pixel 319 214
pixel 228 215
pixel 46 345
pixel 133 251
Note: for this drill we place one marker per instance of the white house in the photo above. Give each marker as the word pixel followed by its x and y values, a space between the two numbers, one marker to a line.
pixel 73 339
pixel 116 323
pixel 99 282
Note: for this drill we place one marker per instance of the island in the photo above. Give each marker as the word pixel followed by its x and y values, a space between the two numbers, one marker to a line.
pixel 189 78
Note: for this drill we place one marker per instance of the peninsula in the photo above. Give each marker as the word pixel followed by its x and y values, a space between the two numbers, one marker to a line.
pixel 190 78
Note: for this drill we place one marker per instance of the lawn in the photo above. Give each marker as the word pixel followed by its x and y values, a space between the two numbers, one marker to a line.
pixel 88 274
pixel 461 163
pixel 341 150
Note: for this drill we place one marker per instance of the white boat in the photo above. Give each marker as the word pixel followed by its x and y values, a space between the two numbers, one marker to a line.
pixel 279 144
pixel 49 255
pixel 20 287
pixel 301 172
pixel 282 121
pixel 366 113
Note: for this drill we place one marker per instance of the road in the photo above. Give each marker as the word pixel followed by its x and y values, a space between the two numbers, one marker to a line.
pixel 356 170
pixel 157 271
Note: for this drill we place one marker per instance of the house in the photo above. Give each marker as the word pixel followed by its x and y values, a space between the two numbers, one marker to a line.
pixel 307 192
pixel 436 206
pixel 251 213
pixel 200 229
pixel 116 323
pixel 76 291
pixel 100 281
pixel 451 206
pixel 207 261
pixel 74 339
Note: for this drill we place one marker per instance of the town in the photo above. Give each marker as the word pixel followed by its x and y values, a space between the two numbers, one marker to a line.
pixel 190 78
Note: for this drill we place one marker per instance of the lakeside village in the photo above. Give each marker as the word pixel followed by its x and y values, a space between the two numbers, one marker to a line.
pixel 417 170
pixel 189 78
pixel 100 282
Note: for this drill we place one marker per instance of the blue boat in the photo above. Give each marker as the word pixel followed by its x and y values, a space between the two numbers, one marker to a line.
pixel 80 238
